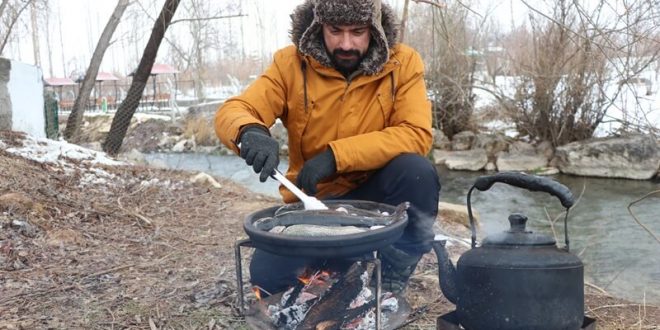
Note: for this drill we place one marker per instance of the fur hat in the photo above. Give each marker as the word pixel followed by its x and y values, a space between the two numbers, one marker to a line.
pixel 309 17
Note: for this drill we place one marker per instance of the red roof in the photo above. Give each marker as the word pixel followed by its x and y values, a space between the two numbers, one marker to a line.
pixel 157 69
pixel 163 68
pixel 103 76
pixel 59 82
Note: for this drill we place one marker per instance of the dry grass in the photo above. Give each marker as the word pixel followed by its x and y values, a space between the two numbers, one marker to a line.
pixel 151 250
pixel 201 130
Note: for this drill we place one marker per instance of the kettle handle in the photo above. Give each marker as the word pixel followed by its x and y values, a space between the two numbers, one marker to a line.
pixel 529 182
pixel 526 181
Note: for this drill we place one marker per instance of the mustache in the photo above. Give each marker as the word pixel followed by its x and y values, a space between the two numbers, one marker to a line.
pixel 353 52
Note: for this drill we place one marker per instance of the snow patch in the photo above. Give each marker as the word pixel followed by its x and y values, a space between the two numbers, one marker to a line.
pixel 70 158
pixel 43 150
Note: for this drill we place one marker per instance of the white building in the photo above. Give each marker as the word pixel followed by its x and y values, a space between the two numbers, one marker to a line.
pixel 21 98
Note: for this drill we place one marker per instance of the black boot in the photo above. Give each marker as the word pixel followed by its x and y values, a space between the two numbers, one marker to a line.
pixel 397 267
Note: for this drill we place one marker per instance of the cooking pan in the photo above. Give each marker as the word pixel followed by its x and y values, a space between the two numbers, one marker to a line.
pixel 389 221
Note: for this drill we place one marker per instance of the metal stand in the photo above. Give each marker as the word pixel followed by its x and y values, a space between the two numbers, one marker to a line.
pixel 239 273
pixel 239 278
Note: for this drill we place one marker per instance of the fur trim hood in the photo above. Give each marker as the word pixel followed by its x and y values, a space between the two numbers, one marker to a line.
pixel 307 29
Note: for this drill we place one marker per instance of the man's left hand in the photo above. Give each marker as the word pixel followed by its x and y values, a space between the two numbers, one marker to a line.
pixel 316 169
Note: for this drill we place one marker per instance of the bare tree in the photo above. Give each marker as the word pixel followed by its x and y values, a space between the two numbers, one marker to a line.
pixel 35 33
pixel 127 108
pixel 204 39
pixel 444 37
pixel 10 13
pixel 573 67
pixel 48 45
pixel 404 19
pixel 75 117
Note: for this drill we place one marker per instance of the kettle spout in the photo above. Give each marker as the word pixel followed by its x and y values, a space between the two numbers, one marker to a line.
pixel 446 272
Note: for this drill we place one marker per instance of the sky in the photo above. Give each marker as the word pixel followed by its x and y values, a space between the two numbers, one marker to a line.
pixel 74 36
pixel 82 22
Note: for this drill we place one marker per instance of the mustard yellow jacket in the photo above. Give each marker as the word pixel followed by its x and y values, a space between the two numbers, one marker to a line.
pixel 367 121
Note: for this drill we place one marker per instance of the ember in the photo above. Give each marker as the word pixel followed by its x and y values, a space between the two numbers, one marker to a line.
pixel 326 300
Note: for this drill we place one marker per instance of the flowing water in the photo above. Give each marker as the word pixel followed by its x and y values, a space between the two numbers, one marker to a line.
pixel 619 255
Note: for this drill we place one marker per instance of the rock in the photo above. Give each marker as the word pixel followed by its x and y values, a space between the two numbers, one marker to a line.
pixel 440 140
pixel 203 178
pixel 24 228
pixel 455 213
pixel 180 146
pixel 490 167
pixel 525 162
pixel 279 133
pixel 631 157
pixel 521 147
pixel 469 160
pixel 546 149
pixel 167 141
pixel 492 143
pixel 439 156
pixel 462 141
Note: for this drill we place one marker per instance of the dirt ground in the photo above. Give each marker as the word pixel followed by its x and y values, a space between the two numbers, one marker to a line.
pixel 148 249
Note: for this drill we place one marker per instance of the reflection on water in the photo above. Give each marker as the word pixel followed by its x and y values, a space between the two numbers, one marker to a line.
pixel 619 256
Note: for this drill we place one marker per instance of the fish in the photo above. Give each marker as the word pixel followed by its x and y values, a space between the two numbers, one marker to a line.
pixel 321 231
pixel 335 217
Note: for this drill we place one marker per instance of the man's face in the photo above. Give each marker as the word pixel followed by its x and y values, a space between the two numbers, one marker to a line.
pixel 346 45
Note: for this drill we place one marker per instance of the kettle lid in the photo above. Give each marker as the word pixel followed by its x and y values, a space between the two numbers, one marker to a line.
pixel 518 235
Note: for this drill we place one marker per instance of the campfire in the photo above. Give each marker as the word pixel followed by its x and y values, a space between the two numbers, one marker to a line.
pixel 328 300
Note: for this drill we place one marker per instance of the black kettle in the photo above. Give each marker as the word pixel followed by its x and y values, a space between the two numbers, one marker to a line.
pixel 516 279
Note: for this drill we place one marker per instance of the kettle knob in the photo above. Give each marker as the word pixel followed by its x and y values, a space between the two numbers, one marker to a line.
pixel 518 222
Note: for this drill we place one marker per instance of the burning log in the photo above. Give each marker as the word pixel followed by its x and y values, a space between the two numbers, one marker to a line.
pixel 329 301
pixel 327 325
pixel 338 298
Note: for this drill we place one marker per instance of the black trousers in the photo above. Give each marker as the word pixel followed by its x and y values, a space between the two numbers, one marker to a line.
pixel 408 177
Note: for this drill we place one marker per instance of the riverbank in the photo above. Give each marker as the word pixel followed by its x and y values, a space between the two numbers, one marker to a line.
pixel 631 156
pixel 85 244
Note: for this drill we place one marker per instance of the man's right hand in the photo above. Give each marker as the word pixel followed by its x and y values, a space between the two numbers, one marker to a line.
pixel 260 151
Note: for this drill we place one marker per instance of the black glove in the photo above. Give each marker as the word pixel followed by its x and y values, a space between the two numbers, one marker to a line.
pixel 316 169
pixel 260 150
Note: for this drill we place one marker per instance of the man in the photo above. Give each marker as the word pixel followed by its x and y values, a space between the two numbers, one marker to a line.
pixel 359 125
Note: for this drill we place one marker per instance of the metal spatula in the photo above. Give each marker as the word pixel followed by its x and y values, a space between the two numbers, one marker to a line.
pixel 310 202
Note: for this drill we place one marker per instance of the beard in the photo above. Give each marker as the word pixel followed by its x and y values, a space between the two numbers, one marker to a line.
pixel 346 61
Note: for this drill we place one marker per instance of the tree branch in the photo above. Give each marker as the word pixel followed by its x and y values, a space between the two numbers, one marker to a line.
pixel 11 25
pixel 206 18
pixel 444 5
pixel 637 220
pixel 432 3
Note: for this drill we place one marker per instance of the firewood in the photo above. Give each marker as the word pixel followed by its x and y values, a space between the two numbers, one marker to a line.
pixel 326 325
pixel 337 299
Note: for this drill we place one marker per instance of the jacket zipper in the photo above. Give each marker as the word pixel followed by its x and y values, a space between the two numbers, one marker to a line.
pixel 348 83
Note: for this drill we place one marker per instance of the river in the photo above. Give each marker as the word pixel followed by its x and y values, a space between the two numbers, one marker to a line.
pixel 618 254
